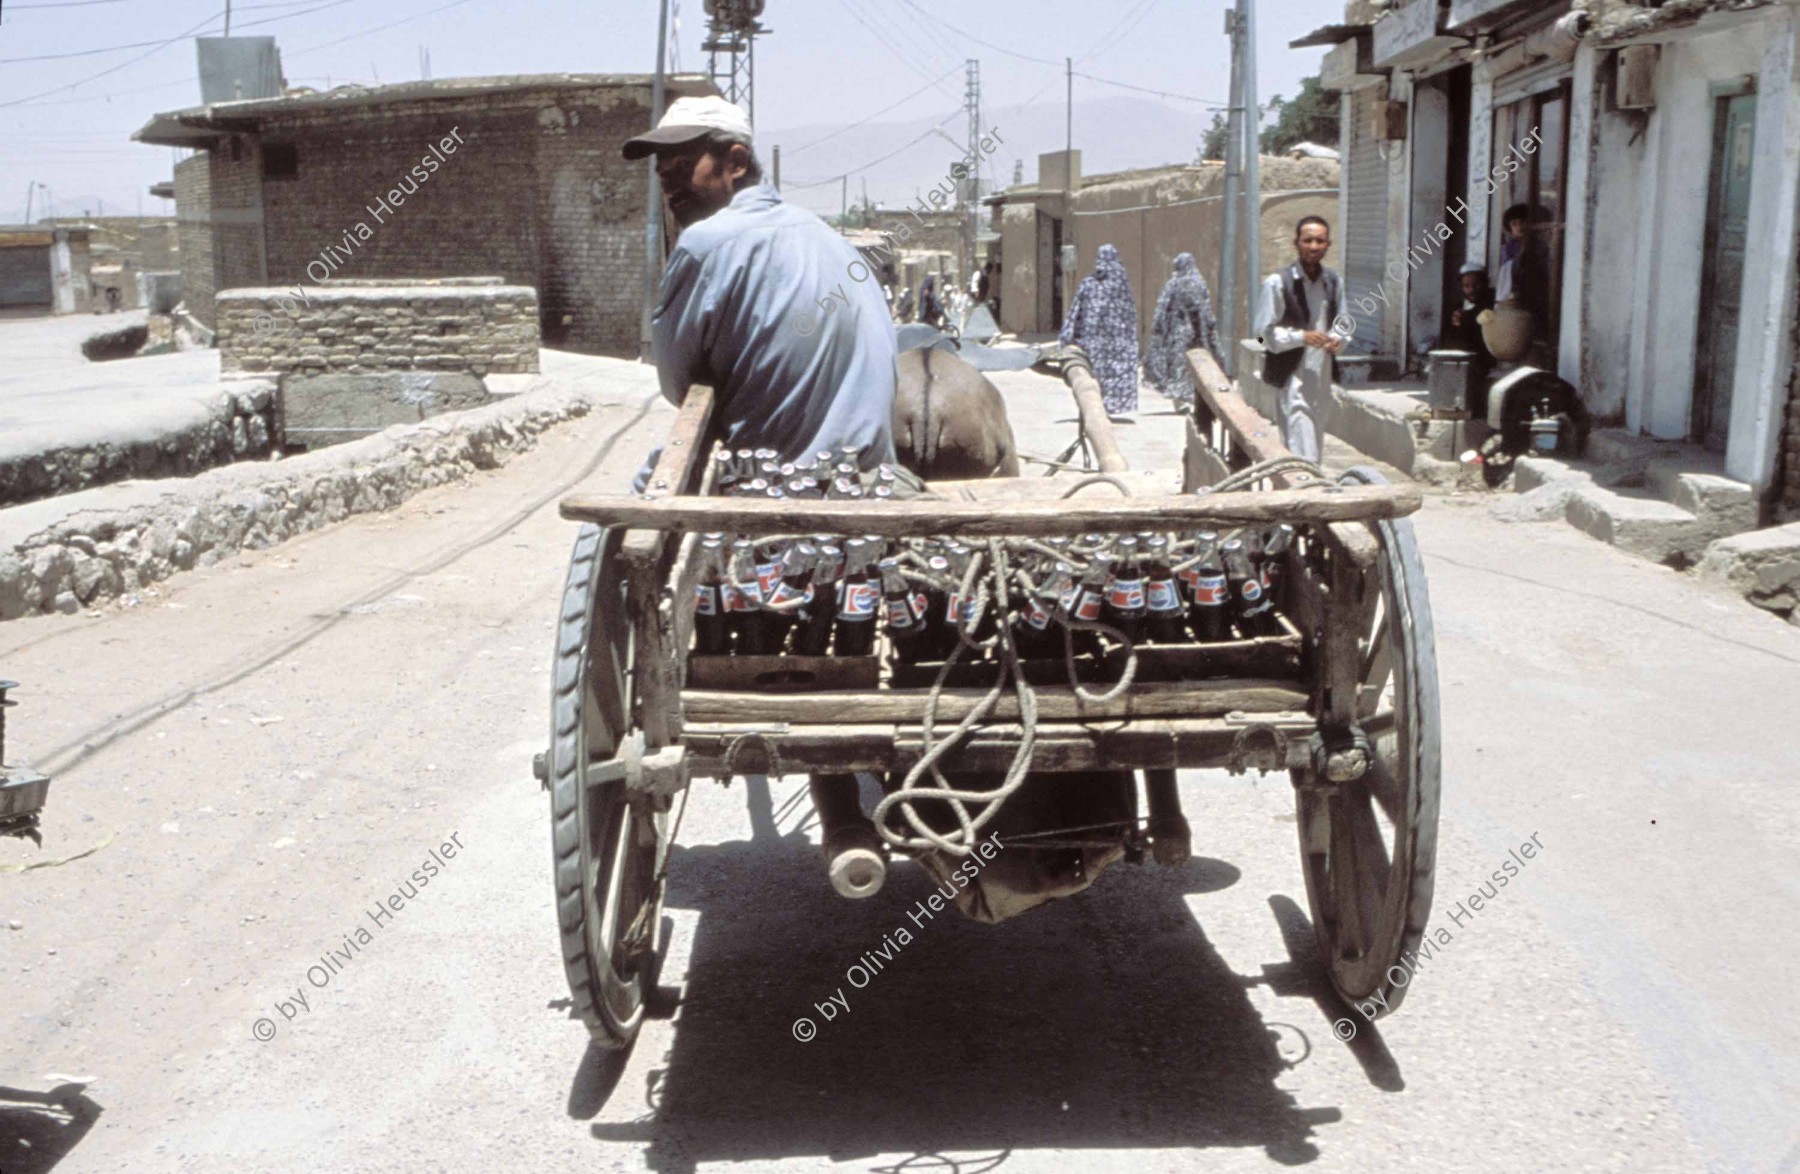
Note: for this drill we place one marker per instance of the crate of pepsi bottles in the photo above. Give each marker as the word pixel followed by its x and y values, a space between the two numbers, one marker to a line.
pixel 1190 606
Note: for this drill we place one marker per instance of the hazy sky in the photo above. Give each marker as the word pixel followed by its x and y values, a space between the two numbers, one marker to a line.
pixel 65 122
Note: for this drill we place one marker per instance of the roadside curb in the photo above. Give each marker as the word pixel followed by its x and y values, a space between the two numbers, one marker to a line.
pixel 65 553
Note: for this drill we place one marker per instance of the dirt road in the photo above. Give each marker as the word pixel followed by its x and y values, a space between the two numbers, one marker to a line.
pixel 278 743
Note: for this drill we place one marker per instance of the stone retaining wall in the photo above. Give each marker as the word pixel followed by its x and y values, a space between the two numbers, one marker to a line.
pixel 94 554
pixel 480 328
pixel 241 425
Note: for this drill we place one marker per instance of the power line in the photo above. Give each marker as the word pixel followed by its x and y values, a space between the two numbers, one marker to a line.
pixel 888 44
pixel 931 130
pixel 1126 24
pixel 114 69
pixel 1209 102
pixel 978 40
pixel 926 42
pixel 159 44
pixel 380 27
pixel 842 130
pixel 90 52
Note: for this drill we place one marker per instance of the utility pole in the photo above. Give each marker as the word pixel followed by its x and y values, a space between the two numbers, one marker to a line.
pixel 971 230
pixel 1230 250
pixel 653 230
pixel 1252 166
pixel 775 154
pixel 30 191
pixel 228 17
pixel 844 203
pixel 1069 106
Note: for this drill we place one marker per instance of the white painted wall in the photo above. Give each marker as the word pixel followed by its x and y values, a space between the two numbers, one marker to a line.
pixel 1614 242
pixel 1394 334
pixel 1430 197
pixel 62 274
pixel 1578 244
pixel 1481 150
pixel 1765 356
pixel 1673 199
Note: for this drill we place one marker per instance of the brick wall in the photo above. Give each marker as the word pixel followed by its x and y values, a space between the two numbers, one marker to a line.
pixel 481 329
pixel 336 218
pixel 934 231
pixel 237 212
pixel 592 207
pixel 193 228
pixel 535 191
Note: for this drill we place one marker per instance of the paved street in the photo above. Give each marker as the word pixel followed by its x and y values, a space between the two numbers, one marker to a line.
pixel 278 741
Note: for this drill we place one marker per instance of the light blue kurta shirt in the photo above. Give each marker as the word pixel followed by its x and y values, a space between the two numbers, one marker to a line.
pixel 744 308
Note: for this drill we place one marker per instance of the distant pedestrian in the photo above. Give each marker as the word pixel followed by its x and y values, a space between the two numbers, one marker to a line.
pixel 1184 321
pixel 1293 319
pixel 1464 330
pixel 903 305
pixel 1104 323
pixel 931 310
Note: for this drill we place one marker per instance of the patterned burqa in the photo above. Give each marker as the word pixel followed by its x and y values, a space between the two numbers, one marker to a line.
pixel 1184 321
pixel 1104 323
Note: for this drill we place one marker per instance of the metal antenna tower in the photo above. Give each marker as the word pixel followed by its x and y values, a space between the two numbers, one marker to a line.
pixel 731 33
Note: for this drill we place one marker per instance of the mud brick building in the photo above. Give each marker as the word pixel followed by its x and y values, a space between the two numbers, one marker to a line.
pixel 518 177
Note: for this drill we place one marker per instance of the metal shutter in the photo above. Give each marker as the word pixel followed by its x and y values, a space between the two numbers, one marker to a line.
pixel 1365 236
pixel 25 276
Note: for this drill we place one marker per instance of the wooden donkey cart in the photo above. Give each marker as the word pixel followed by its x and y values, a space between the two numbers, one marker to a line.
pixel 1265 617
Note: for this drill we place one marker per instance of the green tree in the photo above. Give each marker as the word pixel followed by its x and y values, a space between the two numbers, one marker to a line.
pixel 1213 145
pixel 1310 118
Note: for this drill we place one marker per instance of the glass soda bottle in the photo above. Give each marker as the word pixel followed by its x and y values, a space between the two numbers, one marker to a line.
pixel 859 599
pixel 1168 618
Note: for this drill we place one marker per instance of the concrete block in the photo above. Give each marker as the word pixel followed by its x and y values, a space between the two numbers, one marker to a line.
pixel 1615 446
pixel 1646 527
pixel 1730 507
pixel 1762 565
pixel 1546 503
pixel 509 384
pixel 328 409
pixel 1531 472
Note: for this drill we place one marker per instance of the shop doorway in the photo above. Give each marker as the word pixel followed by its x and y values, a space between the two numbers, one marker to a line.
pixel 1722 277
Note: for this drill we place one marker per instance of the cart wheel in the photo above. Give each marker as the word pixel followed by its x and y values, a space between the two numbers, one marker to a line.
pixel 607 847
pixel 1369 847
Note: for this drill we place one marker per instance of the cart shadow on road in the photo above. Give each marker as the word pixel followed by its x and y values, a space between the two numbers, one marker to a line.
pixel 1103 1021
pixel 38 1130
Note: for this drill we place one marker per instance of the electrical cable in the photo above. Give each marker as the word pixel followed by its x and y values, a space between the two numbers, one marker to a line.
pixel 836 178
pixel 843 130
pixel 184 34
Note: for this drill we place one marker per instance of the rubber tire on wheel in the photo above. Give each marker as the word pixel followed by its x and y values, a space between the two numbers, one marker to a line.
pixel 606 848
pixel 1390 916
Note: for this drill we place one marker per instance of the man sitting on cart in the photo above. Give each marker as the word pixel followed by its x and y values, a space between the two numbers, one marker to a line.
pixel 763 302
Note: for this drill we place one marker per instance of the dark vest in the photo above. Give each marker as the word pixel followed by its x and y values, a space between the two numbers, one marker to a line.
pixel 1297 315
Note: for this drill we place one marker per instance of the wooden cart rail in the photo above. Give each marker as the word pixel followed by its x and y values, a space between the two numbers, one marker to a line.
pixel 992 519
pixel 1255 742
pixel 1156 699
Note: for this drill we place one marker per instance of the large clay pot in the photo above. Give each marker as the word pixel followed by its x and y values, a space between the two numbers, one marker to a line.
pixel 1507 331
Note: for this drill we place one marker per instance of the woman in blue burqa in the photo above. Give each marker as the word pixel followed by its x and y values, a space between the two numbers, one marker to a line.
pixel 1104 323
pixel 1184 321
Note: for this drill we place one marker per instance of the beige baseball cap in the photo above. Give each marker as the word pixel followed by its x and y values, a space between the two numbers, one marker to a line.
pixel 686 120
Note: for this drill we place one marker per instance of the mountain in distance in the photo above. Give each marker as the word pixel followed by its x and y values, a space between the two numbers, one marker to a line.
pixel 1112 134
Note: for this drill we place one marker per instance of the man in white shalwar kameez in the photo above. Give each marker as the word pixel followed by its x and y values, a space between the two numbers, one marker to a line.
pixel 1294 316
